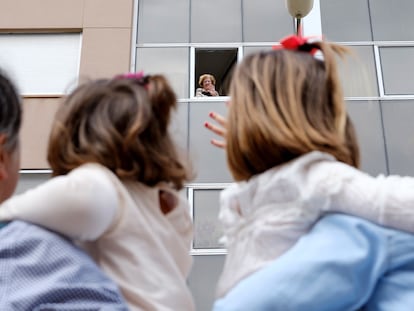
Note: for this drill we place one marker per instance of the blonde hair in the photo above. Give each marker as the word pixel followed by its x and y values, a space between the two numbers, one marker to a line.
pixel 120 123
pixel 285 104
pixel 205 76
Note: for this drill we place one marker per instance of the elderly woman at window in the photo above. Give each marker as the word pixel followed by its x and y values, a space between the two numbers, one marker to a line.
pixel 207 87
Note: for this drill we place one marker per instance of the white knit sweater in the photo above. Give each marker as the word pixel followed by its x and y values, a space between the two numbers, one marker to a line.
pixel 266 215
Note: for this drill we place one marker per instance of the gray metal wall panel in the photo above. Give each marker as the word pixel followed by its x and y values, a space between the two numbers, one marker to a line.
pixel 203 279
pixel 209 161
pixel 399 135
pixel 29 181
pixel 179 126
pixel 366 117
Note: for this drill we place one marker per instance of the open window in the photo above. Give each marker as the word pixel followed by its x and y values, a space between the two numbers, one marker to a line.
pixel 219 62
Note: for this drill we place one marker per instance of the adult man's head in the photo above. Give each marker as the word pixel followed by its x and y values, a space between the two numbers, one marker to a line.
pixel 10 121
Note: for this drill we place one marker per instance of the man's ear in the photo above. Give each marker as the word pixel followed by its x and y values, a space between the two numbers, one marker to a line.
pixel 3 156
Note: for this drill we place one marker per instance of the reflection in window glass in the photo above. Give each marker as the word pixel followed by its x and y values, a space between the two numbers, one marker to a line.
pixel 346 20
pixel 207 228
pixel 163 21
pixel 265 21
pixel 392 20
pixel 216 21
pixel 397 70
pixel 173 62
pixel 358 73
pixel 216 62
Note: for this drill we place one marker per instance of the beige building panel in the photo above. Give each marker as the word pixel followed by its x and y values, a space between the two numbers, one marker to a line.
pixel 41 14
pixel 38 114
pixel 106 47
pixel 105 52
pixel 108 13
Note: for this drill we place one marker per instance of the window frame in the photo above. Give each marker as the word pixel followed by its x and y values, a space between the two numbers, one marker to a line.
pixel 193 78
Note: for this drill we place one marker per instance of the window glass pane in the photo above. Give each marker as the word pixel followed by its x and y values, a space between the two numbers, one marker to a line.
pixel 346 20
pixel 217 62
pixel 392 20
pixel 209 161
pixel 366 117
pixel 216 21
pixel 398 126
pixel 358 73
pixel 41 64
pixel 163 21
pixel 207 227
pixel 173 62
pixel 266 21
pixel 397 70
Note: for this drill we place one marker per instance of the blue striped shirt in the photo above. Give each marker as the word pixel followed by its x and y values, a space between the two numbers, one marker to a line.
pixel 41 270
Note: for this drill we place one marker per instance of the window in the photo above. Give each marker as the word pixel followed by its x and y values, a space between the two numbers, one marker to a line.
pixel 170 61
pixel 216 21
pixel 207 228
pixel 163 21
pixel 218 62
pixel 41 64
pixel 397 68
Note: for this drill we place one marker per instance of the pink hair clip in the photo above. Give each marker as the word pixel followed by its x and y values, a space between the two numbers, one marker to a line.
pixel 139 77
pixel 131 75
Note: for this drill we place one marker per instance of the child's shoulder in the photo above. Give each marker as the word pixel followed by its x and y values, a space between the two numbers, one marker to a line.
pixel 91 166
pixel 93 170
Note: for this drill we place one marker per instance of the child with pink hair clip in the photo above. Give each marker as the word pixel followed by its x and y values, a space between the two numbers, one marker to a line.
pixel 116 188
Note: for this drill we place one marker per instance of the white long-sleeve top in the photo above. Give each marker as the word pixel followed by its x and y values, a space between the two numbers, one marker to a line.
pixel 263 217
pixel 122 227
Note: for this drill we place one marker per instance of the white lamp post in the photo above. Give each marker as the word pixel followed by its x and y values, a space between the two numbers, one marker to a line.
pixel 299 9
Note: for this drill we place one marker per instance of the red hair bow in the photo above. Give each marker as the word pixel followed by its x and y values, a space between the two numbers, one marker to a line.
pixel 298 43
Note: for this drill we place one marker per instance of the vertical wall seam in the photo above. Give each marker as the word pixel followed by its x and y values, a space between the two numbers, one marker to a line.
pixel 242 20
pixel 387 165
pixel 134 36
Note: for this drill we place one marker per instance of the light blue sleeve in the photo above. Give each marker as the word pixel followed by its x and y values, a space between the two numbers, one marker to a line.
pixel 344 263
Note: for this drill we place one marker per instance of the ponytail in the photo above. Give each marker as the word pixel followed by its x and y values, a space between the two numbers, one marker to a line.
pixel 162 99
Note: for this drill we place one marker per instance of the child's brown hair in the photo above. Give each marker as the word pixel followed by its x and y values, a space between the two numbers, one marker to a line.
pixel 122 124
pixel 285 103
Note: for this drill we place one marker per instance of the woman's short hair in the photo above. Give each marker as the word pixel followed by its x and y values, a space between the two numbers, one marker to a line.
pixel 121 123
pixel 285 104
pixel 205 76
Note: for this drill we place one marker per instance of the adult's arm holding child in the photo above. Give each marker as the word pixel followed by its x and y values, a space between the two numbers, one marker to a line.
pixel 330 269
